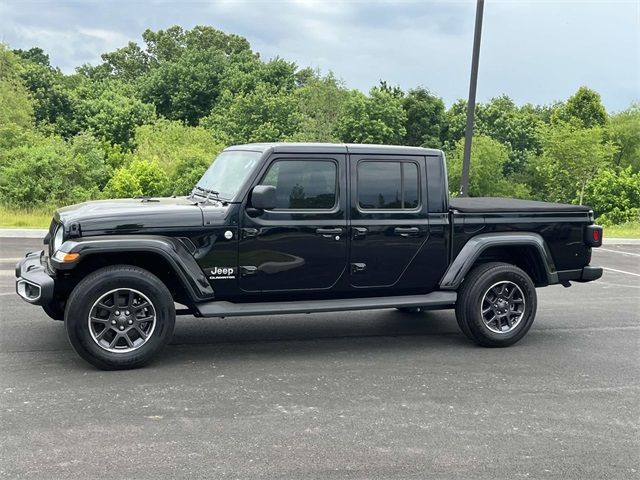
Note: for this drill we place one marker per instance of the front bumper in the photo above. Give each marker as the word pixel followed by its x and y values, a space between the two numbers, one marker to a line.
pixel 33 283
pixel 586 274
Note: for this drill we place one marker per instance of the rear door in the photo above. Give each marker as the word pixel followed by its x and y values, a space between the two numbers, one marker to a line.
pixel 388 219
pixel 301 245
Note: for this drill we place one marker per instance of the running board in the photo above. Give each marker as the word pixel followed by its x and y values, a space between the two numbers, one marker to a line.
pixel 433 300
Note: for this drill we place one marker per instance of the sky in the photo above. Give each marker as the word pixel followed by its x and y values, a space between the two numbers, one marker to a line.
pixel 534 51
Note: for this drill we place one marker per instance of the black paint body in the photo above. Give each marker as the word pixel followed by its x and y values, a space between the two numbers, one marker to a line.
pixel 340 252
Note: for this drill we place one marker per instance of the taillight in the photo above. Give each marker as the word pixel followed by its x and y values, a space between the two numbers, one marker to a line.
pixel 593 235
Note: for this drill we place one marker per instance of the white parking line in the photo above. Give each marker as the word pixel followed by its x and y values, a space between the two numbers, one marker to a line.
pixel 621 271
pixel 617 251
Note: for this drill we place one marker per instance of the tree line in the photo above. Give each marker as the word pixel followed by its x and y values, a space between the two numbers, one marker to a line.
pixel 150 118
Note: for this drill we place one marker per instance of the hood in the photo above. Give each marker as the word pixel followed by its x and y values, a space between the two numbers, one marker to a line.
pixel 132 214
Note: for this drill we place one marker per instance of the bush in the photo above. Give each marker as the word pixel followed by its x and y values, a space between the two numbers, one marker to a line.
pixel 615 196
pixel 53 172
pixel 140 177
pixel 486 176
pixel 186 174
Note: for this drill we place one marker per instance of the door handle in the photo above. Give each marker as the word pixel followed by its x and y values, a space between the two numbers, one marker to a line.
pixel 359 232
pixel 246 270
pixel 329 232
pixel 406 231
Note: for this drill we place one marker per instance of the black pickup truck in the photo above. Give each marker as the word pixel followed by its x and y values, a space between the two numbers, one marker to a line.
pixel 281 228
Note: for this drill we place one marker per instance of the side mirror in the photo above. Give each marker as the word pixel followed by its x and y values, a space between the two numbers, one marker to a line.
pixel 263 197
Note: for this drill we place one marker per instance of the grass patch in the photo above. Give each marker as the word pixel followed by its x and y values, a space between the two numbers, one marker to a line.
pixel 21 218
pixel 627 230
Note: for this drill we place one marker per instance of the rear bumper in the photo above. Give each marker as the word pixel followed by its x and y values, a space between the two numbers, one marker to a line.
pixel 33 284
pixel 586 274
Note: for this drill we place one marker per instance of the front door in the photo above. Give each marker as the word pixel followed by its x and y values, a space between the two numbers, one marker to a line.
pixel 301 245
pixel 389 223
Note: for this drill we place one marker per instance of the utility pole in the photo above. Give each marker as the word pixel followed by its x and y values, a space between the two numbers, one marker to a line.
pixel 471 105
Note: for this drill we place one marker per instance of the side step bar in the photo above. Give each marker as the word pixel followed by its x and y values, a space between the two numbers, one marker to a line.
pixel 433 300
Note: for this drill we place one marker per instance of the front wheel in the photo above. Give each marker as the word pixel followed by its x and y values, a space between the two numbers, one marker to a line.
pixel 119 317
pixel 496 304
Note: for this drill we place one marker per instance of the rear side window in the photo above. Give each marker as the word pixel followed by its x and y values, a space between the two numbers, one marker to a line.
pixel 303 184
pixel 388 185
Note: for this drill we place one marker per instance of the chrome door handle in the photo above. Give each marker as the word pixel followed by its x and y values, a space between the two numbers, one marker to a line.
pixel 406 231
pixel 329 232
pixel 359 232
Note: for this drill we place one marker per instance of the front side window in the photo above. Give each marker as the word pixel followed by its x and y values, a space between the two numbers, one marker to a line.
pixel 303 184
pixel 388 185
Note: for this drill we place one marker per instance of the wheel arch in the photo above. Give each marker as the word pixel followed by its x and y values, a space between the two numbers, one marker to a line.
pixel 526 250
pixel 165 257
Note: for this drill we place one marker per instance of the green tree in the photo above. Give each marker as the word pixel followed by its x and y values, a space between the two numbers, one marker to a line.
pixel 615 196
pixel 321 102
pixel 425 118
pixel 486 175
pixel 571 158
pixel 110 110
pixel 52 171
pixel 377 118
pixel 140 177
pixel 49 89
pixel 168 142
pixel 624 131
pixel 187 88
pixel 263 115
pixel 584 108
pixel 16 105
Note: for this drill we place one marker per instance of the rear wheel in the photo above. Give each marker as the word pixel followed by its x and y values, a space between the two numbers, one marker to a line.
pixel 119 317
pixel 496 304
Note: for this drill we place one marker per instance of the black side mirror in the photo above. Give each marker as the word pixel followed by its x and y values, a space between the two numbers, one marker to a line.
pixel 263 197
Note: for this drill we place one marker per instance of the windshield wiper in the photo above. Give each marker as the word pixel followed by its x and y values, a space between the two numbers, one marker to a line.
pixel 208 194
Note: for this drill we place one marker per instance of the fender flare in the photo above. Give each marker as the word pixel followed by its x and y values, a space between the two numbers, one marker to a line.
pixel 183 264
pixel 472 250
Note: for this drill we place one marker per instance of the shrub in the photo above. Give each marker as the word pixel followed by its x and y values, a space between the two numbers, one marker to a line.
pixel 140 177
pixel 615 196
pixel 52 172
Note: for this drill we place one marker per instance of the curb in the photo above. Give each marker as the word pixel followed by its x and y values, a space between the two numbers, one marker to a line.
pixel 23 232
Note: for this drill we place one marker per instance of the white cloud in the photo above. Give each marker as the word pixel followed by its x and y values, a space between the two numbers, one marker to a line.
pixel 534 51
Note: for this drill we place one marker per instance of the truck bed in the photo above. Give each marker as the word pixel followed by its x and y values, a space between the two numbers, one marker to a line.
pixel 496 204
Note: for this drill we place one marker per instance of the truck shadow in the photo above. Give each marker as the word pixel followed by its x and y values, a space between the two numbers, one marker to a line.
pixel 321 334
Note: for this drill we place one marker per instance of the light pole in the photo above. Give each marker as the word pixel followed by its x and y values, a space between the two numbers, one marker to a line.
pixel 471 104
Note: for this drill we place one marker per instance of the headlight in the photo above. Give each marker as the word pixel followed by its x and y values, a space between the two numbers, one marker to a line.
pixel 58 238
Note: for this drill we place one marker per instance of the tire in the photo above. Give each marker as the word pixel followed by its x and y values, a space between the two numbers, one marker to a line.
pixel 487 289
pixel 119 317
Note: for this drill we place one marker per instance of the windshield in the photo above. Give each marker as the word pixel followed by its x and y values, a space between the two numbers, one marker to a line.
pixel 228 172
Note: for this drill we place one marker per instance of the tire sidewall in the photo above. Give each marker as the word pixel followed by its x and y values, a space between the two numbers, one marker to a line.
pixel 91 289
pixel 474 305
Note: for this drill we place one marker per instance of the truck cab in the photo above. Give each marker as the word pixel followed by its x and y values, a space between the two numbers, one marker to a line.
pixel 279 228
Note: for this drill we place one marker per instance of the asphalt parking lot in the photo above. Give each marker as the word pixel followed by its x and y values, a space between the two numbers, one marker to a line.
pixel 377 394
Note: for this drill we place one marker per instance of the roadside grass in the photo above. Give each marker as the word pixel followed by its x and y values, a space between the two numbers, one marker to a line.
pixel 21 218
pixel 627 230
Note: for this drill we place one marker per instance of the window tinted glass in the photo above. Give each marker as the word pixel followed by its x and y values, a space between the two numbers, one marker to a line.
pixel 380 185
pixel 303 184
pixel 411 196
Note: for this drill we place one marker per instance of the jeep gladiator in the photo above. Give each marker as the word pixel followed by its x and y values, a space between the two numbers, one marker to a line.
pixel 279 228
